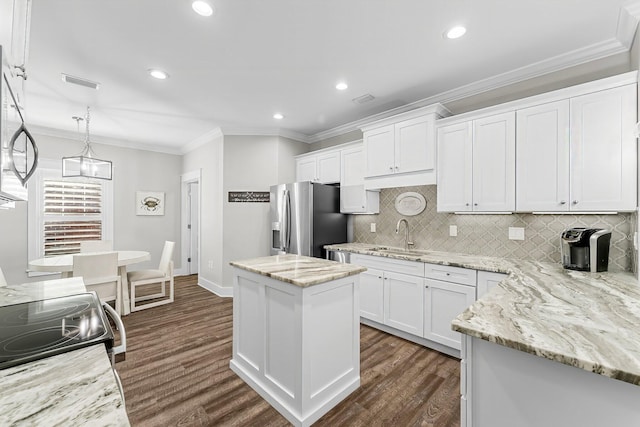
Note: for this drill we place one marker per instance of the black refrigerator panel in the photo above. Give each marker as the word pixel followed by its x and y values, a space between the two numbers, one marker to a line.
pixel 305 216
pixel 329 225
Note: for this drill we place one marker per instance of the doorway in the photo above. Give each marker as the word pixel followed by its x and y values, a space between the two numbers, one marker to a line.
pixel 191 222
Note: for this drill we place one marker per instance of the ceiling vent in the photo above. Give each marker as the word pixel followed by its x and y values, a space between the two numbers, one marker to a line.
pixel 80 81
pixel 364 99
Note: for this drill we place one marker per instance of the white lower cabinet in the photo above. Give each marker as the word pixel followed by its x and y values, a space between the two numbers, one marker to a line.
pixel 372 295
pixel 416 298
pixel 403 302
pixel 443 301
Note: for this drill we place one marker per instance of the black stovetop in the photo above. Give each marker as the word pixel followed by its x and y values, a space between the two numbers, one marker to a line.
pixel 38 329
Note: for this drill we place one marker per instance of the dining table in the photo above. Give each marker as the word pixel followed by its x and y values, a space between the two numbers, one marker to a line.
pixel 63 264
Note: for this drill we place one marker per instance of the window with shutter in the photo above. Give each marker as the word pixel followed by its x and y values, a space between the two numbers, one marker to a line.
pixel 65 211
pixel 72 213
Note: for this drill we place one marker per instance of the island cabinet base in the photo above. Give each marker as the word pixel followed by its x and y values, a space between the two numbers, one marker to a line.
pixel 501 386
pixel 298 347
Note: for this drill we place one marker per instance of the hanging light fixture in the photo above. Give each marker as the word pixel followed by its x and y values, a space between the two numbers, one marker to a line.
pixel 85 164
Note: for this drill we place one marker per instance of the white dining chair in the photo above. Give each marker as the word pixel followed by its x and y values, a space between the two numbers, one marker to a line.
pixel 161 276
pixel 100 273
pixel 3 281
pixel 88 246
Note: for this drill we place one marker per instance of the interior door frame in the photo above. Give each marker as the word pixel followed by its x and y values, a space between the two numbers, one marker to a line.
pixel 186 179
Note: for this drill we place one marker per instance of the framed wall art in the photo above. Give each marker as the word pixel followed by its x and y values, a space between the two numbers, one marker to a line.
pixel 149 203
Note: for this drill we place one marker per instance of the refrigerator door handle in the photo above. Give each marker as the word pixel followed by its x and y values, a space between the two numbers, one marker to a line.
pixel 286 235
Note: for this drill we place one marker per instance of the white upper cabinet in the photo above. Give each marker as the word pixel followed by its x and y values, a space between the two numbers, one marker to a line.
pixel 542 163
pixel 15 17
pixel 603 150
pixel 494 163
pixel 571 150
pixel 323 167
pixel 407 146
pixel 353 196
pixel 380 151
pixel 476 165
pixel 306 169
pixel 455 180
pixel 400 150
pixel 578 154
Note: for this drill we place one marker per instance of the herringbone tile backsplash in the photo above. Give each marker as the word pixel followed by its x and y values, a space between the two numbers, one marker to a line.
pixel 488 234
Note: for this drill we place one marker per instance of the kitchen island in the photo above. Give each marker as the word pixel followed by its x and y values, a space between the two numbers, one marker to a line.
pixel 296 336
pixel 74 388
pixel 546 346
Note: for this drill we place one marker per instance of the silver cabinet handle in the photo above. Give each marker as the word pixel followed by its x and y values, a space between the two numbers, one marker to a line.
pixel 563 202
pixel 427 286
pixel 397 168
pixel 475 204
pixel 575 202
pixel 390 168
pixel 466 204
pixel 448 274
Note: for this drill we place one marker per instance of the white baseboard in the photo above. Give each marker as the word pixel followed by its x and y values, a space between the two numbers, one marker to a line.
pixel 221 291
pixel 180 272
pixel 413 338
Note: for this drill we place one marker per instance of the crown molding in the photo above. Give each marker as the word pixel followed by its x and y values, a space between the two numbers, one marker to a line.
pixel 285 133
pixel 589 53
pixel 628 23
pixel 64 134
pixel 202 140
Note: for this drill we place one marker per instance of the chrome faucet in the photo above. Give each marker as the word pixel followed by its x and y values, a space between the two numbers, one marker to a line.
pixel 407 242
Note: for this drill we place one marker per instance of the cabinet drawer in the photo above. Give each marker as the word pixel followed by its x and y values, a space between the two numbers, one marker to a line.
pixel 390 264
pixel 463 276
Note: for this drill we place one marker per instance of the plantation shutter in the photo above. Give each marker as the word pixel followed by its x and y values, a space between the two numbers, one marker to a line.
pixel 72 213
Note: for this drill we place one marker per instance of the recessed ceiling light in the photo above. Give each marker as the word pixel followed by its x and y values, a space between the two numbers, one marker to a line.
pixel 202 8
pixel 158 74
pixel 278 116
pixel 455 32
pixel 341 86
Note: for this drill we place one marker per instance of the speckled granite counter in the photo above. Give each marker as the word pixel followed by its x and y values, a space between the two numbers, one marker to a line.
pixel 298 270
pixel 586 320
pixel 74 388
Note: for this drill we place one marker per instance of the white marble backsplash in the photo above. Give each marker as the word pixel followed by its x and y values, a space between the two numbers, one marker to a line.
pixel 488 234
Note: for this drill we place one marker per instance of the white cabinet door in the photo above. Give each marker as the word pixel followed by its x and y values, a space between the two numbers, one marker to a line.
pixel 371 295
pixel 328 167
pixel 352 166
pixel 414 145
pixel 454 182
pixel 494 162
pixel 603 150
pixel 542 157
pixel 487 280
pixel 379 151
pixel 306 169
pixel 443 302
pixel 403 302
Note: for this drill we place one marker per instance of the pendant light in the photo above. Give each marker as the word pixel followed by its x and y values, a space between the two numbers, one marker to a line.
pixel 85 164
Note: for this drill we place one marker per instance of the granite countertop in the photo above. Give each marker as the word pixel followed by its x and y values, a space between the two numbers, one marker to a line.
pixel 298 270
pixel 74 388
pixel 586 320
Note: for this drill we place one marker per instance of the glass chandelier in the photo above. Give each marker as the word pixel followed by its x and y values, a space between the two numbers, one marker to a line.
pixel 86 164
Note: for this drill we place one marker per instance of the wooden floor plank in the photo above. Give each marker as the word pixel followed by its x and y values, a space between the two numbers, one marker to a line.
pixel 176 373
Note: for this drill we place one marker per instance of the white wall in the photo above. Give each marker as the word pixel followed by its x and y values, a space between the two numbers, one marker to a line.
pixel 209 159
pixel 133 170
pixel 252 163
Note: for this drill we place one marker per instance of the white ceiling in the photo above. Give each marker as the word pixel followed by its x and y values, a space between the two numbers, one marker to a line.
pixel 255 57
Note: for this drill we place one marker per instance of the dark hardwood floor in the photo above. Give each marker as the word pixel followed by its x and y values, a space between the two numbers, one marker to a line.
pixel 176 373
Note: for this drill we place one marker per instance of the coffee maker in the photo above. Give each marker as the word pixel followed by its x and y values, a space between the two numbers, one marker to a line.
pixel 585 249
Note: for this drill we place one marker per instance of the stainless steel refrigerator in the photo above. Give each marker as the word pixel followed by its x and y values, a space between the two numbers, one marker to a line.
pixel 305 216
